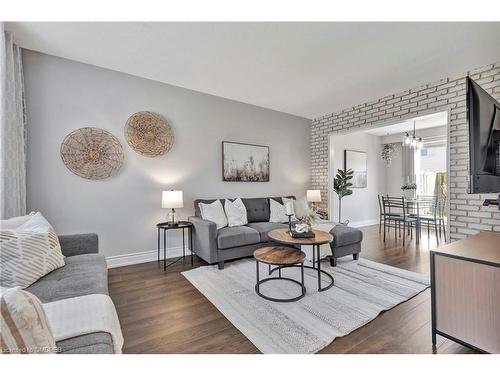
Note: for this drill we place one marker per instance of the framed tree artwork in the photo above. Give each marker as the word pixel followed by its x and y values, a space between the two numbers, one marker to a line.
pixel 242 162
pixel 356 160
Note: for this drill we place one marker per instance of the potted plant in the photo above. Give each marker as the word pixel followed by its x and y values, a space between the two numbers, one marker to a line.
pixel 341 186
pixel 387 152
pixel 409 190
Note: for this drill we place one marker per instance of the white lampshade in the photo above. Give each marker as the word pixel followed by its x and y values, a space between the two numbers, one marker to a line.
pixel 172 199
pixel 313 196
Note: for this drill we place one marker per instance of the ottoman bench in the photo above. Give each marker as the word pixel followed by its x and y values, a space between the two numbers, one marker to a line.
pixel 346 241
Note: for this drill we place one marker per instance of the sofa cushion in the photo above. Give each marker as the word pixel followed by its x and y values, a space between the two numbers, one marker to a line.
pixel 82 275
pixel 264 227
pixel 344 235
pixel 257 209
pixel 236 236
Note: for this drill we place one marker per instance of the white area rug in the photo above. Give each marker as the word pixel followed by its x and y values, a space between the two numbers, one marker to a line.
pixel 362 290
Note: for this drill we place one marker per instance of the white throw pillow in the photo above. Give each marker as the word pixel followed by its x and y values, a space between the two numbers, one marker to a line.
pixel 214 212
pixel 24 325
pixel 300 206
pixel 278 212
pixel 28 252
pixel 15 222
pixel 236 212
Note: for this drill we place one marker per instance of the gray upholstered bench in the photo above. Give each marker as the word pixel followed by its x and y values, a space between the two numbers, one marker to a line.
pixel 346 241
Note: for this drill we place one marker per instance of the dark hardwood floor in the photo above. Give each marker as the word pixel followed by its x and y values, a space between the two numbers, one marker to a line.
pixel 163 313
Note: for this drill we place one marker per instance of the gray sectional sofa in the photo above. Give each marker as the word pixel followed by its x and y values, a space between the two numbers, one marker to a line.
pixel 85 273
pixel 217 246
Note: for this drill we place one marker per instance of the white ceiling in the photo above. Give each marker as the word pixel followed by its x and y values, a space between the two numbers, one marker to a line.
pixel 307 69
pixel 423 122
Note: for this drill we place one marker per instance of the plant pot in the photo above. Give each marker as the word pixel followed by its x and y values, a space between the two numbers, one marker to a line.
pixel 409 193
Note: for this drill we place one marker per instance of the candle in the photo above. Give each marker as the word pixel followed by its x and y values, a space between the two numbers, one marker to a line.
pixel 289 208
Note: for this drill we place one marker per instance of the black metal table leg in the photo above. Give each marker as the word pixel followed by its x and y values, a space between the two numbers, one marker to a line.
pixel 278 267
pixel 164 250
pixel 318 257
pixel 158 247
pixel 257 286
pixel 302 275
pixel 318 270
pixel 183 246
pixel 191 244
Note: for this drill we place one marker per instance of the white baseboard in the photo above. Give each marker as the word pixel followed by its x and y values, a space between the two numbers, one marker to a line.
pixel 142 257
pixel 363 223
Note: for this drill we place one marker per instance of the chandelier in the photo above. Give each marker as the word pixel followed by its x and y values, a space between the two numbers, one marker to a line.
pixel 413 142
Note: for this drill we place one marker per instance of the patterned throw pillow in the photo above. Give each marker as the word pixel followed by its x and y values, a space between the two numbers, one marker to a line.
pixel 24 326
pixel 236 212
pixel 28 252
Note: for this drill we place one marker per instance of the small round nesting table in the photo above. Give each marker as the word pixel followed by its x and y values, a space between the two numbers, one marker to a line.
pixel 282 235
pixel 280 256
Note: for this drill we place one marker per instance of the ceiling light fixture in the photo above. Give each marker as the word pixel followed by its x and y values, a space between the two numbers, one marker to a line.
pixel 412 141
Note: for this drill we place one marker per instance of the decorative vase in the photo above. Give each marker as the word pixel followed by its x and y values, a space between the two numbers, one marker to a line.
pixel 409 193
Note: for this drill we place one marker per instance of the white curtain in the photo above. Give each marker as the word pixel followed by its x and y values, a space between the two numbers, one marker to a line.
pixel 12 129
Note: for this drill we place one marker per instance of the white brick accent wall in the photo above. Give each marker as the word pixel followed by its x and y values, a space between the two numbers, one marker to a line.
pixel 467 215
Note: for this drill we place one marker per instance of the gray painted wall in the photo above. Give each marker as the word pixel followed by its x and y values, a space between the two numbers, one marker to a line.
pixel 360 208
pixel 64 95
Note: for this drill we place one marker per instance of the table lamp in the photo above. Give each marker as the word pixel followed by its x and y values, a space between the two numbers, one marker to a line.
pixel 172 199
pixel 313 196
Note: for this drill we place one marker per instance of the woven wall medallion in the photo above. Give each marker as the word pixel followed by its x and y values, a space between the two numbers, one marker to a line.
pixel 92 153
pixel 149 134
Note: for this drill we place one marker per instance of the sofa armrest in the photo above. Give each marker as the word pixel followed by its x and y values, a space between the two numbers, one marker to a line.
pixel 204 239
pixel 78 244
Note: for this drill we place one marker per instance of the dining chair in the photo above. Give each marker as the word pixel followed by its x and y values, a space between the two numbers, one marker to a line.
pixel 396 214
pixel 381 213
pixel 428 212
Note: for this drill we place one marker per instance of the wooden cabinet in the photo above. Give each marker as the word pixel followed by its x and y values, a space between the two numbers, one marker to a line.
pixel 465 289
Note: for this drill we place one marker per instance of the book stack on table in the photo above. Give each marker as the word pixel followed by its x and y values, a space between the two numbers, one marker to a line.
pixel 295 234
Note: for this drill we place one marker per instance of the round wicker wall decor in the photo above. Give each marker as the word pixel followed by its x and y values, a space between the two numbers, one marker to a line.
pixel 149 134
pixel 92 153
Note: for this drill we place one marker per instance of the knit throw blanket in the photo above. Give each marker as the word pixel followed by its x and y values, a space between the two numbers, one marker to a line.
pixel 79 316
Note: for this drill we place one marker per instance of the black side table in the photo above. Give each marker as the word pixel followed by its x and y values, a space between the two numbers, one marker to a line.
pixel 180 225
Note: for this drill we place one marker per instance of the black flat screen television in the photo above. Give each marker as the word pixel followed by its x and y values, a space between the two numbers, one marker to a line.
pixel 483 115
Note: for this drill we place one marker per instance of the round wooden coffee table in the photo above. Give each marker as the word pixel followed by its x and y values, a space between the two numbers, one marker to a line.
pixel 281 235
pixel 280 256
